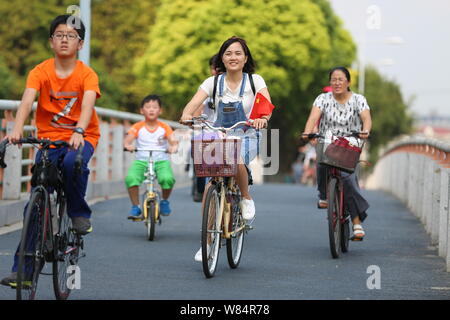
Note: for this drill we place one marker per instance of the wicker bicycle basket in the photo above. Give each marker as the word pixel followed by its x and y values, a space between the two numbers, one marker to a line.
pixel 340 154
pixel 215 157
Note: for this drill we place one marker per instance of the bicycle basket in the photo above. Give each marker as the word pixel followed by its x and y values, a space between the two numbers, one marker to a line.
pixel 215 156
pixel 340 153
pixel 48 175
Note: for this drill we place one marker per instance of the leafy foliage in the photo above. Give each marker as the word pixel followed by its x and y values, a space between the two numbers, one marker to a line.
pixel 390 116
pixel 293 42
pixel 163 46
pixel 120 34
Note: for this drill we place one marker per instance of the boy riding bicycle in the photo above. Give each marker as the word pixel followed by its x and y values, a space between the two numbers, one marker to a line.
pixel 67 91
pixel 150 133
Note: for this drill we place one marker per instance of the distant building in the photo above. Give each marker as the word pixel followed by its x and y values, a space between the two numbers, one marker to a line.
pixel 433 126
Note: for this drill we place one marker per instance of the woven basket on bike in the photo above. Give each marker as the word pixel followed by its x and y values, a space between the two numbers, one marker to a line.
pixel 215 156
pixel 340 153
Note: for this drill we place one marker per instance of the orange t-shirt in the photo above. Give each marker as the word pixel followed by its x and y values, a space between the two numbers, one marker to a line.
pixel 59 103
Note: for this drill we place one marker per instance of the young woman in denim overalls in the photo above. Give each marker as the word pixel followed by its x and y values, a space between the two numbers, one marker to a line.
pixel 233 103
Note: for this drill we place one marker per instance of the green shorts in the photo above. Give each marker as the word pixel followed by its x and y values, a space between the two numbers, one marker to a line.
pixel 163 172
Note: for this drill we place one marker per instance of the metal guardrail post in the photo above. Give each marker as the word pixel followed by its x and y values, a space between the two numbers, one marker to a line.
pixel 117 132
pixel 435 198
pixel 101 163
pixel 13 172
pixel 443 211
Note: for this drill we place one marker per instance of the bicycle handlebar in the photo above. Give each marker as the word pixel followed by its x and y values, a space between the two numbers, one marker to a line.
pixel 45 143
pixel 202 120
pixel 148 150
pixel 354 134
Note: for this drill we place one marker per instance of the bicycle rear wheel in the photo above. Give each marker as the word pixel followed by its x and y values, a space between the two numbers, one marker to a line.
pixel 31 251
pixel 211 232
pixel 67 251
pixel 334 229
pixel 236 242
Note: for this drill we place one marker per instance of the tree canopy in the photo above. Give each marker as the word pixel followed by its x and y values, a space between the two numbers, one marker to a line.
pixel 120 31
pixel 163 46
pixel 293 42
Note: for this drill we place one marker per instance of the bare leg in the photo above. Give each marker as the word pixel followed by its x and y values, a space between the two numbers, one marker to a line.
pixel 166 193
pixel 356 221
pixel 242 181
pixel 133 192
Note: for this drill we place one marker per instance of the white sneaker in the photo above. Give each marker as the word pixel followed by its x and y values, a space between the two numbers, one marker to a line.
pixel 248 209
pixel 198 255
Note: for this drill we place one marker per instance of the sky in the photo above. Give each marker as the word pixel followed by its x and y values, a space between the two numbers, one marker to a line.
pixel 421 64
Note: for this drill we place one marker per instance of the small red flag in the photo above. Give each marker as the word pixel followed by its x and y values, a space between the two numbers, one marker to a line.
pixel 261 107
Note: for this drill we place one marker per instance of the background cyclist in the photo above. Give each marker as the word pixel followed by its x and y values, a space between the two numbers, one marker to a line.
pixel 342 111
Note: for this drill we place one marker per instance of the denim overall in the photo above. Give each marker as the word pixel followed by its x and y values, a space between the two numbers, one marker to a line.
pixel 232 112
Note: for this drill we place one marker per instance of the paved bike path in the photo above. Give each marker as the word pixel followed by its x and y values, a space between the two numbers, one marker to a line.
pixel 286 256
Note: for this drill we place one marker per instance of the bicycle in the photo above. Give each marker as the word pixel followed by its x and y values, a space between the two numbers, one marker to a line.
pixel 150 201
pixel 337 216
pixel 47 234
pixel 222 216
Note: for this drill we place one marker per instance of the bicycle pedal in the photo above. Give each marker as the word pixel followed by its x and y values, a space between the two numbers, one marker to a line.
pixel 248 227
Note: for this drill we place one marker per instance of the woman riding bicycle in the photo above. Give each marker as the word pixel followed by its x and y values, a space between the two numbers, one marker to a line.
pixel 342 112
pixel 233 103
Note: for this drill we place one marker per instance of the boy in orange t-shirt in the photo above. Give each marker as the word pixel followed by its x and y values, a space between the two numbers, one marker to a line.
pixel 67 91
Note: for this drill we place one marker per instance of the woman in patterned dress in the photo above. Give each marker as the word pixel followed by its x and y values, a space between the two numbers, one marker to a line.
pixel 342 111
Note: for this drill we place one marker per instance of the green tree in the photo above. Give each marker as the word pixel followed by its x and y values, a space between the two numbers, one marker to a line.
pixel 120 34
pixel 7 80
pixel 390 116
pixel 293 42
pixel 24 34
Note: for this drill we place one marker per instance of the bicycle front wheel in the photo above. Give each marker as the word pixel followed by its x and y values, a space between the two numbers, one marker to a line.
pixel 345 234
pixel 211 232
pixel 334 206
pixel 31 249
pixel 236 242
pixel 151 219
pixel 67 251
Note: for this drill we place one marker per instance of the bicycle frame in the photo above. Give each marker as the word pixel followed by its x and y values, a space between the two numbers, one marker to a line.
pixel 227 185
pixel 151 194
pixel 227 188
pixel 333 172
pixel 150 176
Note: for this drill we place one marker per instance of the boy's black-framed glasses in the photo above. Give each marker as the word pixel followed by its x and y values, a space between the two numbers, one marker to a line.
pixel 69 36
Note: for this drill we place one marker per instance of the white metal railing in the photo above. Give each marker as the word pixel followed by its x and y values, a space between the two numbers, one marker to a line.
pixel 417 171
pixel 108 165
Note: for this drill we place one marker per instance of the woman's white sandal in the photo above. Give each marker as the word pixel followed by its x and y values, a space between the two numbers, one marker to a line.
pixel 358 233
